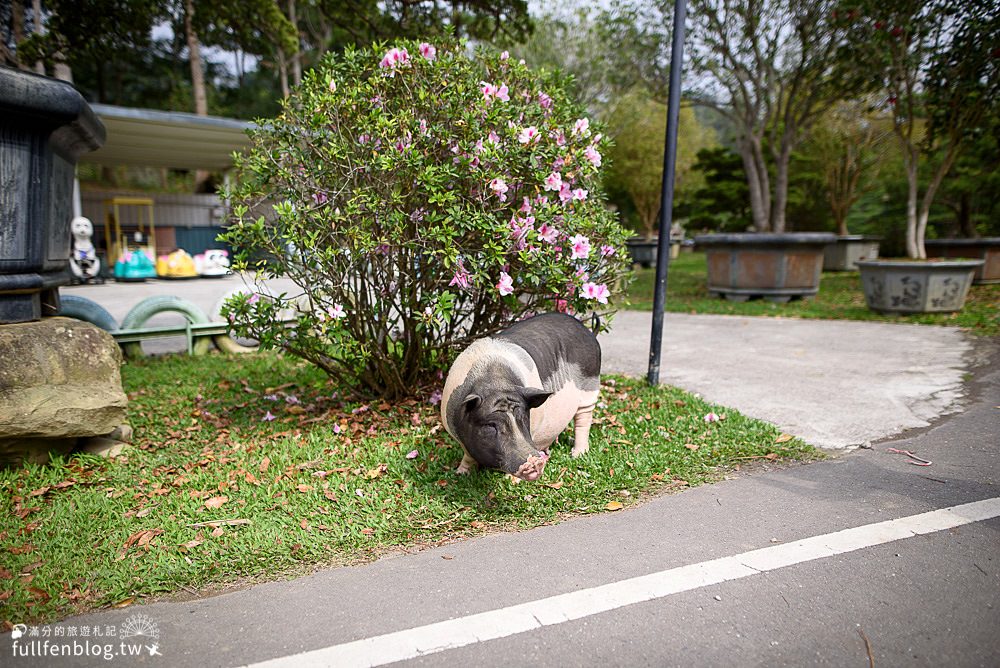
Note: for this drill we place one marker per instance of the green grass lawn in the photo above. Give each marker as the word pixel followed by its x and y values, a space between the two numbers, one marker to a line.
pixel 839 297
pixel 215 492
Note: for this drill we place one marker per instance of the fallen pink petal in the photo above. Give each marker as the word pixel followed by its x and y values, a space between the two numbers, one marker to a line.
pixel 412 454
pixel 712 417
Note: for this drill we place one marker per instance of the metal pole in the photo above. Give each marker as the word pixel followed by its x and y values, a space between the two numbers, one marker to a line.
pixel 667 197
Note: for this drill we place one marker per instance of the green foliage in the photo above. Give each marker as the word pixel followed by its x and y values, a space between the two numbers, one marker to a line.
pixel 723 202
pixel 415 203
pixel 638 125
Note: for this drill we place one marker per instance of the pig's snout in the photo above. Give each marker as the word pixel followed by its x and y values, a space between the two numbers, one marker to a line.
pixel 533 467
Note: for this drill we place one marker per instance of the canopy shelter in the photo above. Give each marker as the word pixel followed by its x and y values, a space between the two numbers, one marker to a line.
pixel 171 139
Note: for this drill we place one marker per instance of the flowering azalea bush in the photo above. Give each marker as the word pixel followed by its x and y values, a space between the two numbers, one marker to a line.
pixel 420 198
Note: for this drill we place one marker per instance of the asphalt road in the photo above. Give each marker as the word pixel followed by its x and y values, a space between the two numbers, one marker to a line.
pixel 923 597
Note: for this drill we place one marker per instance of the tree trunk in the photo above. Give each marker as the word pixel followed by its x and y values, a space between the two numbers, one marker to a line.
pixel 36 14
pixel 17 32
pixel 841 219
pixel 966 228
pixel 194 58
pixel 297 58
pixel 780 189
pixel 197 79
pixel 911 209
pixel 758 186
pixel 283 72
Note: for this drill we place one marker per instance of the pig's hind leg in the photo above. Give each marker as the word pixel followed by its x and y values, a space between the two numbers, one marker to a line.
pixel 581 429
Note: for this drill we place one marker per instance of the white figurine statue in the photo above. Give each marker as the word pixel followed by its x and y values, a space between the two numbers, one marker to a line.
pixel 83 260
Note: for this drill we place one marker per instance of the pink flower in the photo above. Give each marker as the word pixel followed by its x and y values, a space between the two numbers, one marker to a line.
pixel 333 86
pixel 427 51
pixel 503 93
pixel 461 277
pixel 596 291
pixel 525 206
pixel 505 285
pixel 268 417
pixel 254 298
pixel 364 139
pixel 582 127
pixel 580 246
pixel 562 306
pixel 319 198
pixel 544 100
pixel 412 454
pixel 336 428
pixel 565 193
pixel 504 55
pixel 547 233
pixel 493 137
pixel 580 194
pixel 394 58
pixel 528 135
pixel 499 187
pixel 592 155
pixel 607 251
pixel 488 89
pixel 553 181
pixel 423 127
pixel 337 312
pixel 711 417
pixel 435 397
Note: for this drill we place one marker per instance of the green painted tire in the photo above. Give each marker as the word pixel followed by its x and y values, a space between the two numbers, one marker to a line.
pixel 151 306
pixel 81 308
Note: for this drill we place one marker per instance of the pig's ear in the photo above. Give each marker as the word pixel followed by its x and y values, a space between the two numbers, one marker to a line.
pixel 472 402
pixel 534 397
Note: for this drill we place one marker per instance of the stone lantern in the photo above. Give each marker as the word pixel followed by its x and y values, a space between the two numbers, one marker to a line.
pixel 60 379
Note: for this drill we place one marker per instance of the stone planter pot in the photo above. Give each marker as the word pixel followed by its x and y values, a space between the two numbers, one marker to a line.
pixel 643 252
pixel 776 267
pixel 45 125
pixel 917 286
pixel 844 255
pixel 987 249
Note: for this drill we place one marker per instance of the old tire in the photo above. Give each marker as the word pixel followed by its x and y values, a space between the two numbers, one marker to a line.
pixel 81 308
pixel 151 306
pixel 225 342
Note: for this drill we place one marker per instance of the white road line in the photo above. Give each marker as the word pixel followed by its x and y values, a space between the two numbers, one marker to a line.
pixel 454 633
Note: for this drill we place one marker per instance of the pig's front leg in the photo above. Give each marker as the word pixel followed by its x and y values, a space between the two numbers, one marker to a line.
pixel 581 430
pixel 467 466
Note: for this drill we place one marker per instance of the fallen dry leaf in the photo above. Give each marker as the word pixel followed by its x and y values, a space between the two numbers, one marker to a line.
pixel 691 446
pixel 192 543
pixel 124 603
pixel 145 511
pixel 218 531
pixel 784 438
pixel 264 463
pixel 447 557
pixel 613 505
pixel 555 485
pixel 771 455
pixel 304 488
pixel 216 501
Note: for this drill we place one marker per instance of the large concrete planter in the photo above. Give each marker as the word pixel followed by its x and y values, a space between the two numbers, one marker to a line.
pixel 776 267
pixel 986 249
pixel 643 251
pixel 845 253
pixel 45 125
pixel 917 286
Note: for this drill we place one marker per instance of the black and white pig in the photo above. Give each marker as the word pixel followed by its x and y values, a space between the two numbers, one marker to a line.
pixel 509 396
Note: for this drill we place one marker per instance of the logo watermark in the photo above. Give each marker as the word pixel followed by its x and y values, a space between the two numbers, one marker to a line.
pixel 136 636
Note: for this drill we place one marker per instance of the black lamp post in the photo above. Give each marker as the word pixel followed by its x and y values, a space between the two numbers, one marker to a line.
pixel 667 198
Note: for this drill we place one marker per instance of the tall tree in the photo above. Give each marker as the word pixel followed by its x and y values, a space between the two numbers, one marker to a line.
pixel 768 66
pixel 939 65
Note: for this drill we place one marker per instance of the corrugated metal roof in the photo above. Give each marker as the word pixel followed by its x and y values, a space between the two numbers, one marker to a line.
pixel 151 138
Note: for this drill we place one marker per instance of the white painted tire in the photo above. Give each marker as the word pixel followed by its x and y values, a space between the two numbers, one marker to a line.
pixel 151 306
pixel 225 342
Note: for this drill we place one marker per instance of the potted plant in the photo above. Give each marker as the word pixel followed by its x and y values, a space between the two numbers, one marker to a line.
pixel 937 96
pixel 986 249
pixel 775 266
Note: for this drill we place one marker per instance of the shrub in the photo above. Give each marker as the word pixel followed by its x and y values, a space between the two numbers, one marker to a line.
pixel 420 198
